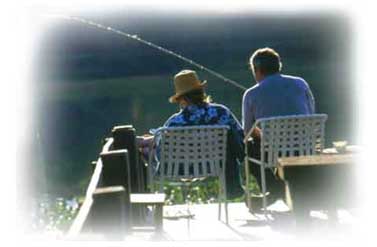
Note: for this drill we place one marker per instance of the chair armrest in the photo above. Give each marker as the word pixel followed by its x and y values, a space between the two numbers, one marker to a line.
pixel 248 135
pixel 258 162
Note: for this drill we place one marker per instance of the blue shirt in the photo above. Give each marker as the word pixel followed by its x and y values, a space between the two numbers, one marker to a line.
pixel 208 114
pixel 276 95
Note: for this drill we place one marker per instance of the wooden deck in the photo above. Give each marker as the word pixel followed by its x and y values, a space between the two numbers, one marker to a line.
pixel 244 226
pixel 111 219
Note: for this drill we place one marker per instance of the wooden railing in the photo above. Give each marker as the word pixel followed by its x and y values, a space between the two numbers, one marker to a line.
pixel 82 216
pixel 106 209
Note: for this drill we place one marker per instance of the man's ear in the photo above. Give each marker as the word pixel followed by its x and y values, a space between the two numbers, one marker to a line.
pixel 258 75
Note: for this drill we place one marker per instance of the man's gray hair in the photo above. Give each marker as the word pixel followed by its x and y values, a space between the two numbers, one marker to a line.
pixel 267 60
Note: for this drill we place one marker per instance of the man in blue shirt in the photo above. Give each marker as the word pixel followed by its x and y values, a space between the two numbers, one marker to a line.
pixel 274 94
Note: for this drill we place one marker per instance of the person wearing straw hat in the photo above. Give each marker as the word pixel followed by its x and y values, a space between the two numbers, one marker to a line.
pixel 196 109
pixel 186 82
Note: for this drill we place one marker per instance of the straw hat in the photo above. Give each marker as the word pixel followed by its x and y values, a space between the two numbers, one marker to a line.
pixel 185 82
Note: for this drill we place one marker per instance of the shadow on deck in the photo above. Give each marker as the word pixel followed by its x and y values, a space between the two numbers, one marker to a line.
pixel 244 226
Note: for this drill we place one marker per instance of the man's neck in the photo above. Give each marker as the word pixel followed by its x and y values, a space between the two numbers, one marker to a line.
pixel 267 76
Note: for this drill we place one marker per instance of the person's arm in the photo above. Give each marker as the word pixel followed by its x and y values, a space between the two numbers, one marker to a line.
pixel 236 137
pixel 256 133
pixel 236 126
pixel 172 121
pixel 176 119
pixel 144 140
pixel 311 101
pixel 248 117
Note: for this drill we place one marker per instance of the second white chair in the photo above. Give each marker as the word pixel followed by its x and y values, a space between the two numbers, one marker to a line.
pixel 285 136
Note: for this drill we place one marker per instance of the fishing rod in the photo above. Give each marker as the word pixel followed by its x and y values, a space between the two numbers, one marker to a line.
pixel 153 45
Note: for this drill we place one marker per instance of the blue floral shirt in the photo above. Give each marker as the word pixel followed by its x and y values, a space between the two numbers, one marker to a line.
pixel 207 114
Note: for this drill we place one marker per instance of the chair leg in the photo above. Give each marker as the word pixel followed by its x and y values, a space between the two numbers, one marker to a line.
pixel 219 200
pixel 263 175
pixel 222 198
pixel 186 190
pixel 161 186
pixel 247 181
pixel 225 201
pixel 288 197
pixel 149 178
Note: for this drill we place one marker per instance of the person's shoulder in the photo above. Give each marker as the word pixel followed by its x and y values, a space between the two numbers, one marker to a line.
pixel 299 81
pixel 218 106
pixel 177 113
pixel 293 78
pixel 174 117
pixel 251 91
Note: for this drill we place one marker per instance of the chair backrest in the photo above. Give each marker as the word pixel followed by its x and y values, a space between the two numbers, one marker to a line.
pixel 193 151
pixel 285 136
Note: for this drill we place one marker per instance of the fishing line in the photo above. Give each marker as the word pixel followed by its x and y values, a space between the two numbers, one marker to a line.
pixel 153 45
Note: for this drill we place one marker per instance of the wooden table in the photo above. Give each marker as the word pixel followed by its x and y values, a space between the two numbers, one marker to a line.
pixel 156 200
pixel 320 181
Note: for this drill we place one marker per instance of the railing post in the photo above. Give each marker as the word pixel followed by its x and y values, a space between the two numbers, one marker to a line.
pixel 107 215
pixel 116 172
pixel 125 138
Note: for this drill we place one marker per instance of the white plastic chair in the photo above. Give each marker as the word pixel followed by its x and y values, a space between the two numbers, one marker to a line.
pixel 188 153
pixel 285 136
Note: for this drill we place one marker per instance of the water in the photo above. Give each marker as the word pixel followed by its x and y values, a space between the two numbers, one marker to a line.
pixel 150 44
